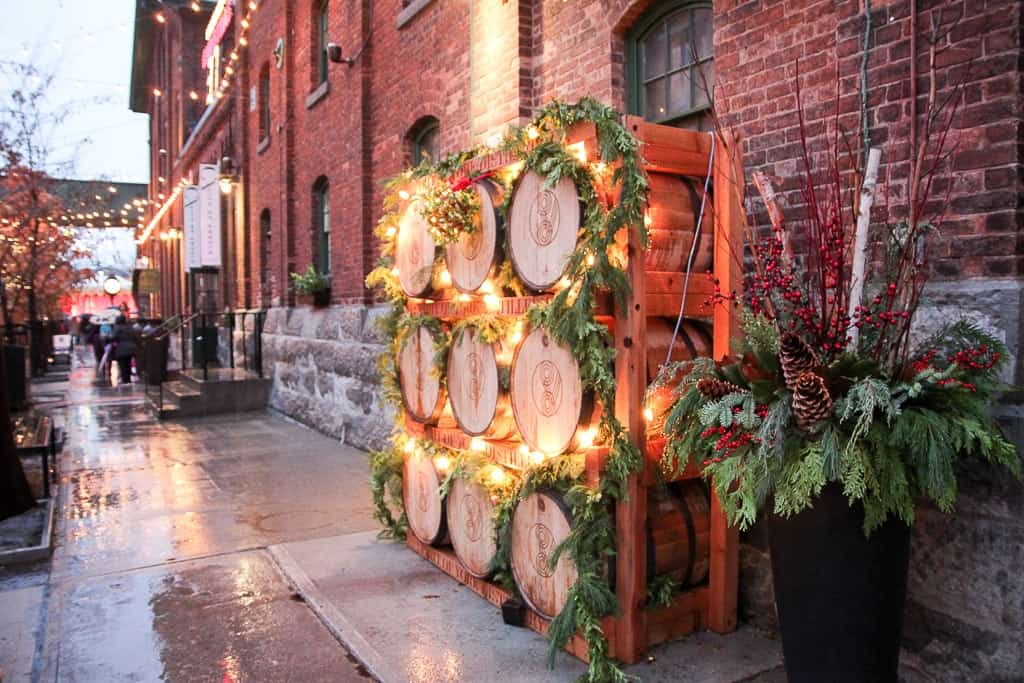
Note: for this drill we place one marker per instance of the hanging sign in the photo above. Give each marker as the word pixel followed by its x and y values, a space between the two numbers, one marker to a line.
pixel 191 227
pixel 209 215
pixel 148 281
pixel 218 25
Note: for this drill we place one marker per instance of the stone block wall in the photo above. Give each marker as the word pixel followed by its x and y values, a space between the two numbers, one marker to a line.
pixel 323 363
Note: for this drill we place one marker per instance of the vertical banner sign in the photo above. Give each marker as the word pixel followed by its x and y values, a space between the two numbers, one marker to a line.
pixel 209 215
pixel 191 227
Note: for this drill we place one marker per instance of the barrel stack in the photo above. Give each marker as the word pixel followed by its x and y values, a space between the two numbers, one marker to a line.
pixel 521 398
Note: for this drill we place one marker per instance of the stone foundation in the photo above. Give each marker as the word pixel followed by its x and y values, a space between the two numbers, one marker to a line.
pixel 323 363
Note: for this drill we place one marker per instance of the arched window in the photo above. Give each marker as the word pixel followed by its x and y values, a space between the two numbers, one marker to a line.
pixel 264 101
pixel 424 140
pixel 670 72
pixel 320 39
pixel 322 224
pixel 266 269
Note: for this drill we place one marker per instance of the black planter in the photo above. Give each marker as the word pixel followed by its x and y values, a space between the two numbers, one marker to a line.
pixel 839 595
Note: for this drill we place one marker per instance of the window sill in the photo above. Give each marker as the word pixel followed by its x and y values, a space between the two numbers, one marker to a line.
pixel 263 144
pixel 318 94
pixel 410 12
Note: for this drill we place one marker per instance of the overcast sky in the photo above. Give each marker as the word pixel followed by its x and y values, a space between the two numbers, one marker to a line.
pixel 87 44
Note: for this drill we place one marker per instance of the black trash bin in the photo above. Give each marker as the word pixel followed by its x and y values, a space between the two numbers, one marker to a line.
pixel 154 359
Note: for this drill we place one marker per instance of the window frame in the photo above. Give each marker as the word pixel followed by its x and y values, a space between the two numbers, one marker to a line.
pixel 322 224
pixel 263 94
pixel 426 127
pixel 634 67
pixel 321 29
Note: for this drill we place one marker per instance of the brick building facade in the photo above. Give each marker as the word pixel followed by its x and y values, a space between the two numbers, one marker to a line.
pixel 312 140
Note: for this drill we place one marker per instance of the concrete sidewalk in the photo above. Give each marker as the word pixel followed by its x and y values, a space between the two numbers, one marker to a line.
pixel 408 621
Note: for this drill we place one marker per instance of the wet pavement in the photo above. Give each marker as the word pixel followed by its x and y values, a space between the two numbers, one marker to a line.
pixel 161 569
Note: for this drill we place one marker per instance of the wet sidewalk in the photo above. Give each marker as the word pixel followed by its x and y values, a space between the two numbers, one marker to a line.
pixel 161 569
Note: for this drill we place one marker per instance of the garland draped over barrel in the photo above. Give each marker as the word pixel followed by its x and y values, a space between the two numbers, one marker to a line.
pixel 595 266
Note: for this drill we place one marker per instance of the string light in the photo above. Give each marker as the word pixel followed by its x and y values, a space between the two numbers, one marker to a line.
pixel 532 132
pixel 442 463
pixel 445 278
pixel 477 444
pixel 497 475
pixel 586 438
pixel 160 18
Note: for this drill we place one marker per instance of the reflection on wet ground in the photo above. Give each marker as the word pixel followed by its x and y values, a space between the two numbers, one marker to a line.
pixel 160 570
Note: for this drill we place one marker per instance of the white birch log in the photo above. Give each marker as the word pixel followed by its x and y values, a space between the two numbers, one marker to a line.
pixel 860 244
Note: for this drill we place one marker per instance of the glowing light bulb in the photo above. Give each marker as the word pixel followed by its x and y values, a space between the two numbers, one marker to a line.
pixel 492 302
pixel 648 414
pixel 563 283
pixel 157 92
pixel 410 446
pixel 579 150
pixel 390 232
pixel 403 195
pixel 463 298
pixel 394 271
pixel 536 457
pixel 477 444
pixel 586 437
pixel 590 259
pixel 160 18
pixel 497 475
pixel 524 449
pixel 442 463
pixel 647 220
pixel 532 132
pixel 445 278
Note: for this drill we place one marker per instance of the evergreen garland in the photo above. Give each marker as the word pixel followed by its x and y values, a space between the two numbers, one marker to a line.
pixel 594 266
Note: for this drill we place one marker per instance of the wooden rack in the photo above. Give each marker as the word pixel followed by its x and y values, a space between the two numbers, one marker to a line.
pixel 709 606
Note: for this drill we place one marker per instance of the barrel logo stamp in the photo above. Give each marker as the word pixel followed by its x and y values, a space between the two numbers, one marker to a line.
pixel 473 513
pixel 544 217
pixel 546 385
pixel 474 377
pixel 422 502
pixel 542 543
pixel 473 242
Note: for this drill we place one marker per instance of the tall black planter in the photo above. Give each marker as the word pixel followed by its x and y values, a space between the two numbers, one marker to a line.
pixel 839 595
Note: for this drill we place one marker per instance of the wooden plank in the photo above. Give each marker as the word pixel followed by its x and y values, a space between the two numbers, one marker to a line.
pixel 681 618
pixel 664 290
pixel 466 306
pixel 728 179
pixel 631 514
pixel 655 449
pixel 669 136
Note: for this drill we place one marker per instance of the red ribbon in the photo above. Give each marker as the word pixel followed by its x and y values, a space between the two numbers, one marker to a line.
pixel 465 181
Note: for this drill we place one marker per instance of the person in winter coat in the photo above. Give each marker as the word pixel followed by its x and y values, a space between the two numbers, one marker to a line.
pixel 124 348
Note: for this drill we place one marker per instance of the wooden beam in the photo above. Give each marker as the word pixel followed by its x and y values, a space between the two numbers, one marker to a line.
pixel 631 514
pixel 723 575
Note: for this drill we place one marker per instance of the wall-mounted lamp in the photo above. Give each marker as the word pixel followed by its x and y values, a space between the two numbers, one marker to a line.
pixel 334 54
pixel 228 175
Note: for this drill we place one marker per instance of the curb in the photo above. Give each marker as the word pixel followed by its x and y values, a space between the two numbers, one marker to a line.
pixel 332 618
pixel 35 552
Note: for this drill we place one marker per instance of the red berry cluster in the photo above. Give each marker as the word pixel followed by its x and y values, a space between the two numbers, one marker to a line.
pixel 978 360
pixel 954 382
pixel 730 439
pixel 924 362
pixel 718 297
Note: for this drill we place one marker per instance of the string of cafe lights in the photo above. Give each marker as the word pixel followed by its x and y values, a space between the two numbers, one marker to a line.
pixel 245 23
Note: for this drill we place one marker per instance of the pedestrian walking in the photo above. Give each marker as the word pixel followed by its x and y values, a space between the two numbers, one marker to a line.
pixel 124 348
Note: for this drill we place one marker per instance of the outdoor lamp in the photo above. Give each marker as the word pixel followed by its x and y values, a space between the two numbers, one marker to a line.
pixel 228 175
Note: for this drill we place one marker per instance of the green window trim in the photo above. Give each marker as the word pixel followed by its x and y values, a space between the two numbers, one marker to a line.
pixel 654 25
pixel 322 224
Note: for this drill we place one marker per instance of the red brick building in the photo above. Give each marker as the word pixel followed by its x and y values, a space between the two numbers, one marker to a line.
pixel 310 140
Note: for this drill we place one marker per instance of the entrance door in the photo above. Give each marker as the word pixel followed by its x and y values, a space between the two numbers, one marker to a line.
pixel 205 291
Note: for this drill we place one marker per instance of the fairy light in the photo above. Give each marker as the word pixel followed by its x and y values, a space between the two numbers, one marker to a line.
pixel 463 298
pixel 648 414
pixel 590 259
pixel 477 444
pixel 391 231
pixel 517 334
pixel 579 150
pixel 487 287
pixel 157 92
pixel 586 437
pixel 497 475
pixel 647 220
pixel 536 457
pixel 403 195
pixel 444 277
pixel 492 302
pixel 532 132
pixel 442 463
pixel 160 18
pixel 394 271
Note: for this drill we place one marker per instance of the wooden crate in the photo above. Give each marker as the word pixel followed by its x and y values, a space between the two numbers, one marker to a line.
pixel 710 606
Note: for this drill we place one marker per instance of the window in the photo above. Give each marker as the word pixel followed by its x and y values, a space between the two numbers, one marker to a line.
pixel 423 140
pixel 321 41
pixel 670 65
pixel 266 256
pixel 322 224
pixel 264 102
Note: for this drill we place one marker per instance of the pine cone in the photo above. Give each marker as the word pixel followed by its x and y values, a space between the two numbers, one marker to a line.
pixel 811 400
pixel 796 358
pixel 714 388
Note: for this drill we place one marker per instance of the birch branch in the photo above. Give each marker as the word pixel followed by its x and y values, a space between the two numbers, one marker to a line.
pixel 860 247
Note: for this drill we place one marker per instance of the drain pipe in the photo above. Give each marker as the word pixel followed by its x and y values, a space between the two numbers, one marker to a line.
pixel 912 191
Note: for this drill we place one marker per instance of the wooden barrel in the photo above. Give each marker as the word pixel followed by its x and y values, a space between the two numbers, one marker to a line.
pixel 471 526
pixel 673 206
pixel 543 226
pixel 424 506
pixel 474 388
pixel 422 394
pixel 414 251
pixel 474 257
pixel 679 532
pixel 694 341
pixel 678 542
pixel 547 394
pixel 540 522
